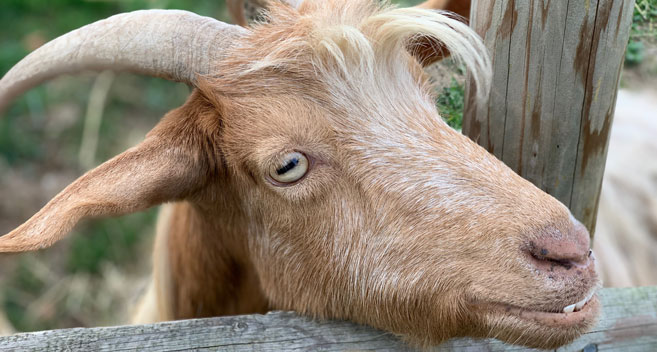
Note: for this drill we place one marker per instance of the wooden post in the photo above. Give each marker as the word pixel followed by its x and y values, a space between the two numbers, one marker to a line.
pixel 556 68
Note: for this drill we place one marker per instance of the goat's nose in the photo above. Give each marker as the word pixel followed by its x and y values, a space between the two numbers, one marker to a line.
pixel 566 249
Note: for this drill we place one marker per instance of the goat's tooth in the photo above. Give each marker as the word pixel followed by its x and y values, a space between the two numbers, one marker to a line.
pixel 581 304
pixel 586 300
pixel 569 309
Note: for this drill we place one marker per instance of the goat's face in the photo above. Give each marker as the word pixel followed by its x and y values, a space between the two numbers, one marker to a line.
pixel 412 228
pixel 361 203
pixel 400 222
pixel 364 205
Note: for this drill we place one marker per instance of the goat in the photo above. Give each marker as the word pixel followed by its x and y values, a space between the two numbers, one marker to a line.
pixel 5 326
pixel 310 171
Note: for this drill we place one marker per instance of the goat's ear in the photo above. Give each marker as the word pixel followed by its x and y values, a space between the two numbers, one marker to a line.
pixel 428 50
pixel 459 7
pixel 166 166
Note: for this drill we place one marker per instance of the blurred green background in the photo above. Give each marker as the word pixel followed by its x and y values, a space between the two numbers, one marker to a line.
pixel 94 276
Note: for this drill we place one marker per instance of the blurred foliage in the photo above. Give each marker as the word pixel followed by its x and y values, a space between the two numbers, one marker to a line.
pixel 26 24
pixel 22 280
pixel 450 104
pixel 645 13
pixel 634 53
pixel 644 29
pixel 111 240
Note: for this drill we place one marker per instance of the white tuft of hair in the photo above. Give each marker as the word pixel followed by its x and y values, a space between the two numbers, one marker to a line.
pixel 363 37
pixel 399 26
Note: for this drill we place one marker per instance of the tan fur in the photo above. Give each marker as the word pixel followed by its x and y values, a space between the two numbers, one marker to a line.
pixel 211 276
pixel 5 326
pixel 401 222
pixel 156 305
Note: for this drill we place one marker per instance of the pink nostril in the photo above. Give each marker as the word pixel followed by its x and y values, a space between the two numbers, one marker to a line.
pixel 564 248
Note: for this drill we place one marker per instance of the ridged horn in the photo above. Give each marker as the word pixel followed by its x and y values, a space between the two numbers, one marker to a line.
pixel 170 44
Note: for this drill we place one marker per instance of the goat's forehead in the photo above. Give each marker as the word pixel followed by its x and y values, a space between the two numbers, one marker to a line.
pixel 361 132
pixel 366 93
pixel 377 115
pixel 395 100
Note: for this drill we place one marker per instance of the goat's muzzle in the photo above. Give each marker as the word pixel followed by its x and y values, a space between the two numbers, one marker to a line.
pixel 563 254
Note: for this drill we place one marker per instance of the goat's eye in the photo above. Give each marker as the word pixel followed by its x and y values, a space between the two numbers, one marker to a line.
pixel 293 167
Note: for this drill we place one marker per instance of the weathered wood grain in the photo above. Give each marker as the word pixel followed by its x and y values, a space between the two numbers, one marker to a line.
pixel 628 323
pixel 488 128
pixel 556 72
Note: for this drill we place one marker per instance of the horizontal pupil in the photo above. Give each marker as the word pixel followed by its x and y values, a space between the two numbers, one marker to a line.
pixel 289 166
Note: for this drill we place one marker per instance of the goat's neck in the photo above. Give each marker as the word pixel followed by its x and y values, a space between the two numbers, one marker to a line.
pixel 210 270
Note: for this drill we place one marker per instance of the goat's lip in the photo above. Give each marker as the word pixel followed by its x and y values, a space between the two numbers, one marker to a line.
pixel 549 319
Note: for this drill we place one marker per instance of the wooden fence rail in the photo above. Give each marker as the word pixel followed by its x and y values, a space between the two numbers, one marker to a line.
pixel 628 323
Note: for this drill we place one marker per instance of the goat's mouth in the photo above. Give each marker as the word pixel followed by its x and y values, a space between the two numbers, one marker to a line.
pixel 579 316
pixel 538 328
pixel 572 315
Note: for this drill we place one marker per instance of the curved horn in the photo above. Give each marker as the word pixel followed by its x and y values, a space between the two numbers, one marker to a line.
pixel 171 44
